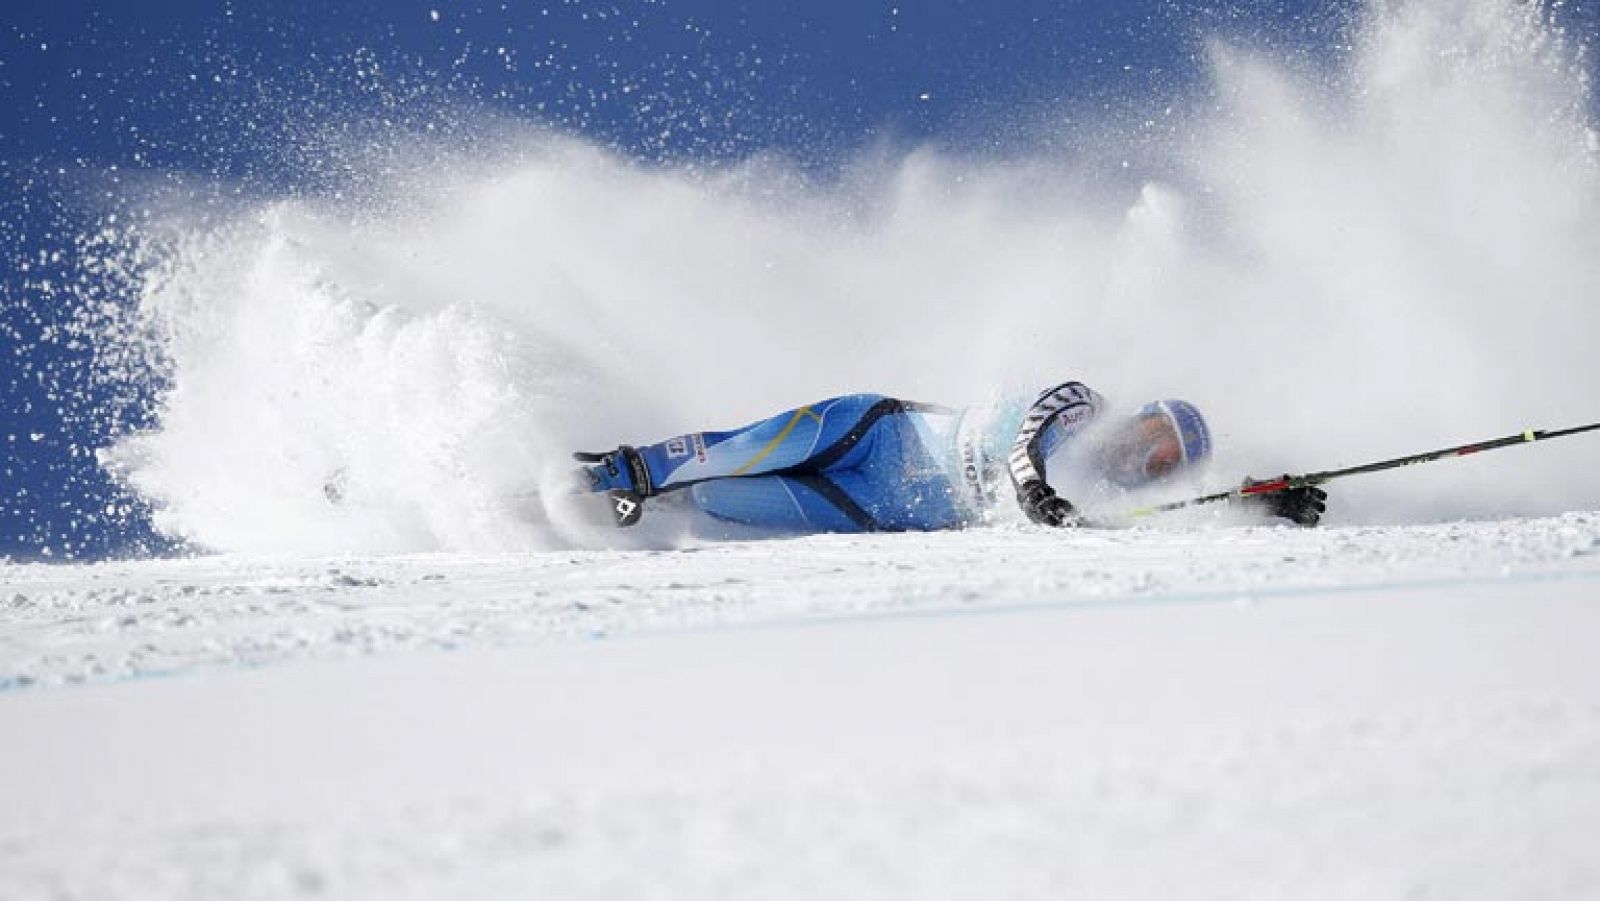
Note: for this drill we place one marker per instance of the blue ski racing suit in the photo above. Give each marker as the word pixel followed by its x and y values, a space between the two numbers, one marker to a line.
pixel 857 463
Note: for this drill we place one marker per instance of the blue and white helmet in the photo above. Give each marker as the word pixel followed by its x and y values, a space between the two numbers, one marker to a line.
pixel 1160 439
pixel 1193 433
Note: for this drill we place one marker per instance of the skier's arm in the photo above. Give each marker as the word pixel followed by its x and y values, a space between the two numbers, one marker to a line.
pixel 1055 416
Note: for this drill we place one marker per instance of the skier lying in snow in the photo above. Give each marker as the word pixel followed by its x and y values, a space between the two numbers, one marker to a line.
pixel 865 463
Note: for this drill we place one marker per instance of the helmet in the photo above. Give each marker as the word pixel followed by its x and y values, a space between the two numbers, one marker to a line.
pixel 1158 440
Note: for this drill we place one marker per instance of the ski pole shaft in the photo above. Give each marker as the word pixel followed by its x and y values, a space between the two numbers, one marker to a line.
pixel 1287 483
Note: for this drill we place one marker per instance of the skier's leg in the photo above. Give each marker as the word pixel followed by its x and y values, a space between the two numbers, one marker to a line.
pixel 846 501
pixel 859 454
pixel 796 503
pixel 922 502
pixel 810 437
pixel 893 480
pixel 884 480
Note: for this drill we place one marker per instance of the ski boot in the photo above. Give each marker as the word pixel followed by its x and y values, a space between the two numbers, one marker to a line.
pixel 624 478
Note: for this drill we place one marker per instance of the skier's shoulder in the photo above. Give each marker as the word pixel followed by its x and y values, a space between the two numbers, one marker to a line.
pixel 1014 406
pixel 1067 394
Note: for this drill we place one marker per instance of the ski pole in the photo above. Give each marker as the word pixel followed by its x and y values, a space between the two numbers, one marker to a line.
pixel 1289 483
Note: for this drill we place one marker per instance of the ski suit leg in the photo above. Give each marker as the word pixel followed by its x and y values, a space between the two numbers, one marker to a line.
pixel 808 437
pixel 894 481
pixel 848 464
pixel 782 503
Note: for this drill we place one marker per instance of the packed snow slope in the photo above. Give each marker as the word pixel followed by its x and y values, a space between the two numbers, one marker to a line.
pixel 1381 250
pixel 1198 712
pixel 399 663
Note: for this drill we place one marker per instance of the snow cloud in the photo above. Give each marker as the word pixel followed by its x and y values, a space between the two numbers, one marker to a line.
pixel 1393 254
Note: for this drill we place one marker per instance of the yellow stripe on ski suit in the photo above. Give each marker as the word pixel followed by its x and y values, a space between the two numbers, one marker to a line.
pixel 773 444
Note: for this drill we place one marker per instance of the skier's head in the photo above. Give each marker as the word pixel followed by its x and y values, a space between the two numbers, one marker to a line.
pixel 1162 438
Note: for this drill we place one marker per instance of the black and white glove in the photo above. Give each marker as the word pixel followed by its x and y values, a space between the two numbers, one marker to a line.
pixel 1304 505
pixel 1045 507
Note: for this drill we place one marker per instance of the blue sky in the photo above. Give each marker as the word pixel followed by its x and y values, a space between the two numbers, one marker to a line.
pixel 105 80
pixel 93 95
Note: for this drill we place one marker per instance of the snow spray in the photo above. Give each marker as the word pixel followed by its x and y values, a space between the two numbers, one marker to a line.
pixel 1395 249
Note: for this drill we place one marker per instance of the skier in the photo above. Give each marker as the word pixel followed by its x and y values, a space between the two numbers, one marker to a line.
pixel 865 463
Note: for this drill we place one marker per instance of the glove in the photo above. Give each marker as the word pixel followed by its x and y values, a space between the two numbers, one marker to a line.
pixel 1303 505
pixel 1045 507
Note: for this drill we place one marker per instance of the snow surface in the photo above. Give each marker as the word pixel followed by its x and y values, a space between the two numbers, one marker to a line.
pixel 1393 254
pixel 1199 712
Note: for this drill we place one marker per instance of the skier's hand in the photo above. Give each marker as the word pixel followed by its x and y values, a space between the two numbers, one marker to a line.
pixel 1304 505
pixel 1045 507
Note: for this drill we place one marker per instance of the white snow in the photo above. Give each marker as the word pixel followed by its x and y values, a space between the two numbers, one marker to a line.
pixel 1395 254
pixel 1376 712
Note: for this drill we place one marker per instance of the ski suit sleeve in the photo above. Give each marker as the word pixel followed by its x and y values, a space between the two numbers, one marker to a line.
pixel 1055 416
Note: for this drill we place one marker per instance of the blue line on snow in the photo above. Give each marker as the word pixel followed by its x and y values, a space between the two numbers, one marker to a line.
pixel 14 683
pixel 1077 605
